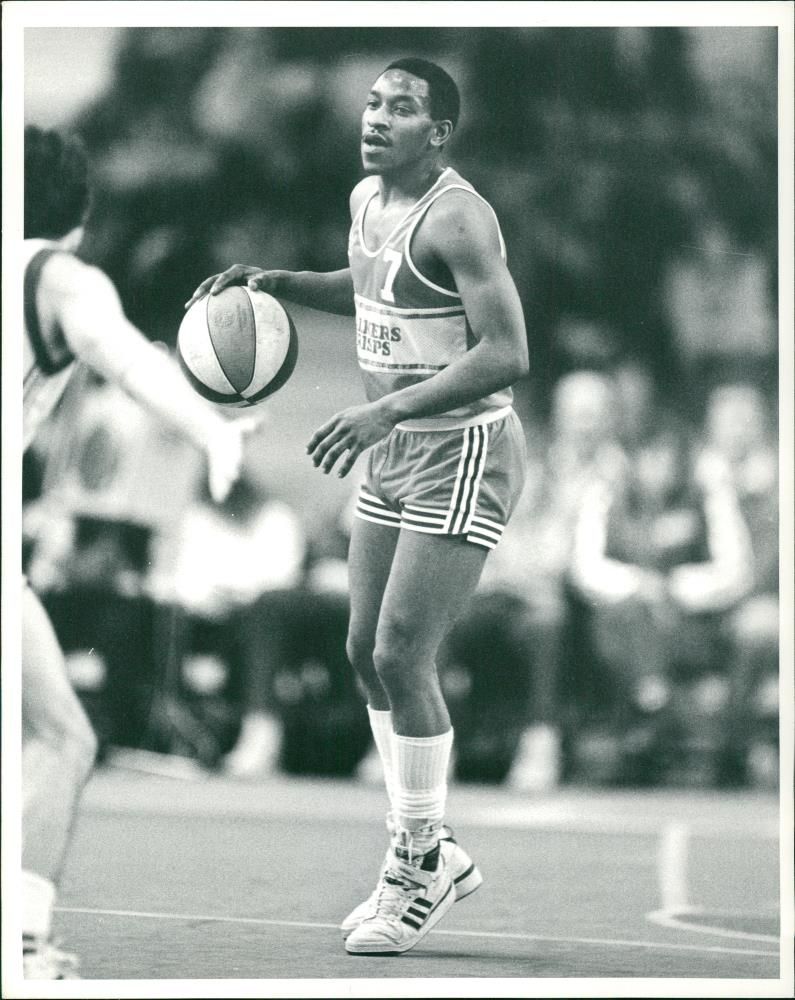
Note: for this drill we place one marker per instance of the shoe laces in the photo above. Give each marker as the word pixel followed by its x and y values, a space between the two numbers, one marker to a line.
pixel 400 884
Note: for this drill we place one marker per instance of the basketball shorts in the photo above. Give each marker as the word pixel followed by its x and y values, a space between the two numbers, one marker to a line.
pixel 463 482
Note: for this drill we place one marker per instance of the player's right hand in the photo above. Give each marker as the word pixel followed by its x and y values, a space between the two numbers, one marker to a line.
pixel 237 274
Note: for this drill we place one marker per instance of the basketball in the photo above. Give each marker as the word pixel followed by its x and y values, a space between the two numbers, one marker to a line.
pixel 238 346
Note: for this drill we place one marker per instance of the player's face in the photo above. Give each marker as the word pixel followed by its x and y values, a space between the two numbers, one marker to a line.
pixel 397 127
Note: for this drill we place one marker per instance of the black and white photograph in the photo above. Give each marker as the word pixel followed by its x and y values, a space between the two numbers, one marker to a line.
pixel 397 408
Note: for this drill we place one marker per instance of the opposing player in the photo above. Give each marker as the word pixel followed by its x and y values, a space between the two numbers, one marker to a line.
pixel 440 339
pixel 72 313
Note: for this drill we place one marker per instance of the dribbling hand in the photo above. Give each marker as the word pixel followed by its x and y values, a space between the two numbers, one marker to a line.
pixel 225 452
pixel 237 274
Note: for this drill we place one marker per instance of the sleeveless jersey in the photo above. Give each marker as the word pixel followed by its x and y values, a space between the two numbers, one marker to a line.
pixel 407 327
pixel 47 361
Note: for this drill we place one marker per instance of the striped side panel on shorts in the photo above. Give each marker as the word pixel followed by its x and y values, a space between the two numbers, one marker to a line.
pixel 467 484
pixel 370 508
pixel 484 531
pixel 432 520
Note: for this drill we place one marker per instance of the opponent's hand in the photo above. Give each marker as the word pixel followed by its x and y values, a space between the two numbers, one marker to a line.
pixel 350 431
pixel 225 452
pixel 237 274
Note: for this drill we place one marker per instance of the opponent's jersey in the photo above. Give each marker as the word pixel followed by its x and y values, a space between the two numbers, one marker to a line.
pixel 407 327
pixel 47 361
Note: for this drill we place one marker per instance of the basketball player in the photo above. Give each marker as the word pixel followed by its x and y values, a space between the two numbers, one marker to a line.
pixel 440 339
pixel 72 313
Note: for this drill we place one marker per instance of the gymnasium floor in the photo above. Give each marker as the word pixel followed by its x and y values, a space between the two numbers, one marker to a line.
pixel 208 879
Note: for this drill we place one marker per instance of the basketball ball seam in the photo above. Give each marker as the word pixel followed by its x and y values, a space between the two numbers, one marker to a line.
pixel 253 317
pixel 287 366
pixel 213 395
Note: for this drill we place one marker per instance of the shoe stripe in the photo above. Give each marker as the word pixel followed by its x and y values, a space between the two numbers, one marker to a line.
pixel 414 911
pixel 444 897
pixel 466 874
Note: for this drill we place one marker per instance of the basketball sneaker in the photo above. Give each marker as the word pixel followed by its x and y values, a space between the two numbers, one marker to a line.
pixel 43 960
pixel 463 871
pixel 414 893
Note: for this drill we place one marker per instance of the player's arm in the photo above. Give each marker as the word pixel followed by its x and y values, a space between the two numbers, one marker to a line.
pixel 462 235
pixel 87 308
pixel 328 291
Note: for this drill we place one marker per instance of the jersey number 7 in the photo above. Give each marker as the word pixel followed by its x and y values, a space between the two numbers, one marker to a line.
pixel 394 259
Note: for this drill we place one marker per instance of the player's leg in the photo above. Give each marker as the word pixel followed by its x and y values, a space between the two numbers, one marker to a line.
pixel 372 548
pixel 58 750
pixel 369 564
pixel 431 579
pixel 370 553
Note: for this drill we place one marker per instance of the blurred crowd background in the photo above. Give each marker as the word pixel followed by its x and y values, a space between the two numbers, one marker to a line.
pixel 626 629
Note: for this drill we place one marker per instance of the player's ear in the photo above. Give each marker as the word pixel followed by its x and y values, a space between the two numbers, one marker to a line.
pixel 442 131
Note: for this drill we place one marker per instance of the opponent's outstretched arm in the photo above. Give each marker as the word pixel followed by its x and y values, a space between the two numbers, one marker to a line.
pixel 329 291
pixel 86 305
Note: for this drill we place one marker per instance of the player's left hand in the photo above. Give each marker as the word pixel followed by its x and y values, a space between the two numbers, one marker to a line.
pixel 225 452
pixel 350 431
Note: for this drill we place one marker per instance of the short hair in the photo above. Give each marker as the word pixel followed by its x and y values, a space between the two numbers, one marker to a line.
pixel 444 97
pixel 57 191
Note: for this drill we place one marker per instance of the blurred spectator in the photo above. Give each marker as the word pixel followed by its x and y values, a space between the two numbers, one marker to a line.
pixel 661 555
pixel 717 291
pixel 522 595
pixel 229 557
pixel 739 443
pixel 641 408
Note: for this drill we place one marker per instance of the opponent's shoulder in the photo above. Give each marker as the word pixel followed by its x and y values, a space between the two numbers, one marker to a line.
pixel 365 189
pixel 65 275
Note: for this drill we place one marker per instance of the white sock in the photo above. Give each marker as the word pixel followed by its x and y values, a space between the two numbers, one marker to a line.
pixel 421 783
pixel 38 896
pixel 383 736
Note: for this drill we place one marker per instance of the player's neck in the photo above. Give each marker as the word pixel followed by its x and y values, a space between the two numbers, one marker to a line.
pixel 409 184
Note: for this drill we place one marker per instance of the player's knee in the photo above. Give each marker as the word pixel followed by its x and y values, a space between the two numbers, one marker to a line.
pixel 395 654
pixel 359 649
